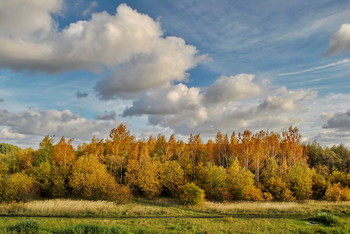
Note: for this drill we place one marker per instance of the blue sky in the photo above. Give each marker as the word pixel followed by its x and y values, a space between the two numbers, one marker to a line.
pixel 79 68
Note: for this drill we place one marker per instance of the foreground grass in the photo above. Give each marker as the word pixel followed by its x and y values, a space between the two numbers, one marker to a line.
pixel 171 217
pixel 174 225
pixel 168 207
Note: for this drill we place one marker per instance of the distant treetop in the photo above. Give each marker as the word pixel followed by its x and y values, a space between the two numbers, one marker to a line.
pixel 8 148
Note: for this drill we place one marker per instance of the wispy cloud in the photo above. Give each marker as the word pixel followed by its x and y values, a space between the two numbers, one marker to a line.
pixel 340 62
pixel 89 10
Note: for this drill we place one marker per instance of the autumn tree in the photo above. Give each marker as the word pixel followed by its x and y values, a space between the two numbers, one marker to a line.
pixel 222 149
pixel 240 183
pixel 43 175
pixel 291 149
pixel 118 149
pixel 212 179
pixel 91 180
pixel 300 181
pixel 144 174
pixel 172 177
pixel 45 152
pixel 245 148
pixel 18 187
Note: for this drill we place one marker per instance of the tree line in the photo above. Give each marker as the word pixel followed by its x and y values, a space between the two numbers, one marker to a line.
pixel 244 166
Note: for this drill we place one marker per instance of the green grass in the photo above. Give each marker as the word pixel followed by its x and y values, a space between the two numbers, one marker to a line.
pixel 327 219
pixel 75 216
pixel 174 225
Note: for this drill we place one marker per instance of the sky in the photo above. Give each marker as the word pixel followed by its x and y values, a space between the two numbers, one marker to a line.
pixel 80 68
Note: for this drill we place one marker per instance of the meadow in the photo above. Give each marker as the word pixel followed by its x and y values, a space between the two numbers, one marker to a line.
pixel 168 216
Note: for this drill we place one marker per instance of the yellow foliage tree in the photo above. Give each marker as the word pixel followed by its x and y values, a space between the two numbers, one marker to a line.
pixel 144 174
pixel 172 177
pixel 64 153
pixel 91 180
pixel 240 183
pixel 19 187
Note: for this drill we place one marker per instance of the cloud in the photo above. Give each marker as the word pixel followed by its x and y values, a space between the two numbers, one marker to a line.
pixel 107 115
pixel 81 94
pixel 340 62
pixel 166 101
pixel 53 122
pixel 339 121
pixel 332 138
pixel 22 19
pixel 7 134
pixel 340 41
pixel 128 46
pixel 187 110
pixel 168 62
pixel 233 88
pixel 88 10
pixel 1 100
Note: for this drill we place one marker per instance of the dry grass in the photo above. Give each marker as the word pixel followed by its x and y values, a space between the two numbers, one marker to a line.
pixel 64 207
pixel 278 208
pixel 163 207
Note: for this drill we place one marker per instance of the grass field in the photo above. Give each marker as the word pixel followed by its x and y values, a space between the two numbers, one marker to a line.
pixel 166 216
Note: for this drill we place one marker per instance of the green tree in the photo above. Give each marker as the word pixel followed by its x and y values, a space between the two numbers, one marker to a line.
pixel 8 148
pixel 300 181
pixel 240 183
pixel 212 179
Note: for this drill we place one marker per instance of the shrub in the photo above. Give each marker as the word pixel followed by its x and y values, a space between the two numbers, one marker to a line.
pixel 222 194
pixel 122 194
pixel 192 194
pixel 278 189
pixel 336 192
pixel 91 229
pixel 327 219
pixel 27 226
pixel 19 187
pixel 319 186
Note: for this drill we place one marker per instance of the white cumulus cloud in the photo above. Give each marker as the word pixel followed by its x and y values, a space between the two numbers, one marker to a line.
pixel 233 88
pixel 129 46
pixel 340 41
pixel 53 122
pixel 166 101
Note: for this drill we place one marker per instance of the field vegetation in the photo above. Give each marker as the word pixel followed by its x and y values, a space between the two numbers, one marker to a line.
pixel 262 182
pixel 265 166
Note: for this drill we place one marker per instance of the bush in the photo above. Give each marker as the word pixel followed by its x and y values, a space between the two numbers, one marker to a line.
pixel 27 226
pixel 319 186
pixel 327 219
pixel 253 194
pixel 192 194
pixel 19 187
pixel 92 229
pixel 278 189
pixel 336 192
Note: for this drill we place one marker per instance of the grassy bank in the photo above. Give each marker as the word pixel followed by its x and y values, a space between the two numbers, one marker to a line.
pixel 174 225
pixel 166 207
pixel 171 217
